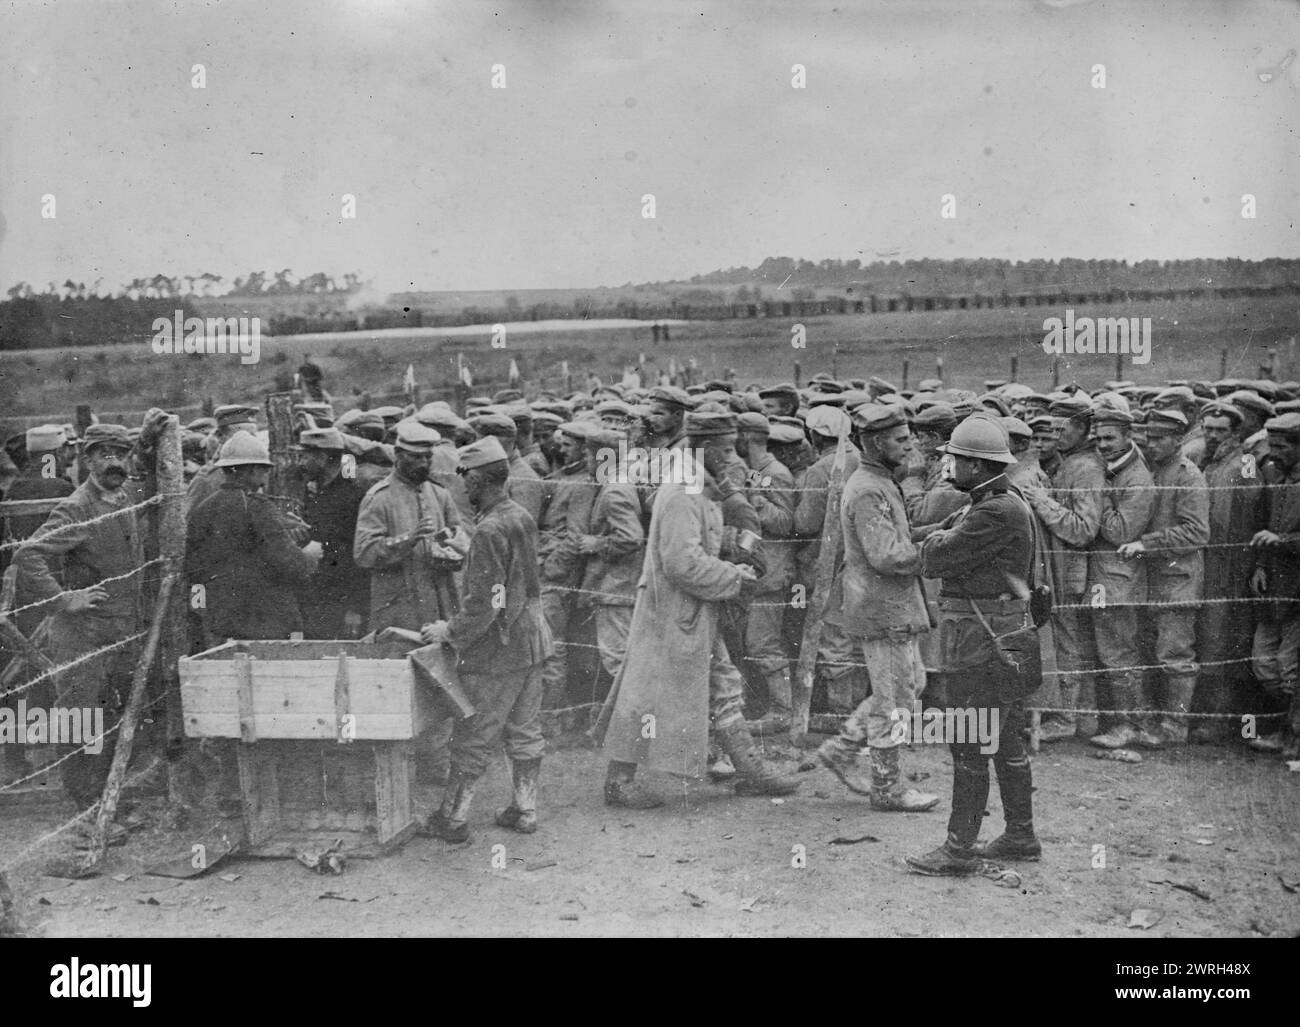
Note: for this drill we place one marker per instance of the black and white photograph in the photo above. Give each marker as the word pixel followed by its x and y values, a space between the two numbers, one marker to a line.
pixel 651 470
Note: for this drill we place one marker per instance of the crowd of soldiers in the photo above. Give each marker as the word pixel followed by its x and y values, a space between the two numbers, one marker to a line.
pixel 1166 525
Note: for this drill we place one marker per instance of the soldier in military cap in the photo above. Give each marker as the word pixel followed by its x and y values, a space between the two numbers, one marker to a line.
pixel 528 447
pixel 1254 410
pixel 409 536
pixel 525 486
pixel 883 611
pixel 769 488
pixel 62 564
pixel 1171 548
pixel 238 549
pixel 501 641
pixel 780 400
pixel 231 418
pixel 545 422
pixel 1276 651
pixel 337 602
pixel 1046 436
pixel 1116 583
pixel 43 477
pixel 984 555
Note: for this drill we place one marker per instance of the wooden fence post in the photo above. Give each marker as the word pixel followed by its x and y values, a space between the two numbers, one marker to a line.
pixel 285 480
pixel 170 474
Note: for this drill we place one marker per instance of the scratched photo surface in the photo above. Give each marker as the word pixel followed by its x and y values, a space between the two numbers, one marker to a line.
pixel 649 469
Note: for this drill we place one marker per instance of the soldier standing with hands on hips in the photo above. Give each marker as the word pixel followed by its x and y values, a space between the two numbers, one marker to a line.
pixel 987 638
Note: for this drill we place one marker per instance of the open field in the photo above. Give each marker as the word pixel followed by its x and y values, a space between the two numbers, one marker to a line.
pixel 1187 340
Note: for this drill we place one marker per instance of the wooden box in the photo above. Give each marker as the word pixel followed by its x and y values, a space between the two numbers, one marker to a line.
pixel 339 691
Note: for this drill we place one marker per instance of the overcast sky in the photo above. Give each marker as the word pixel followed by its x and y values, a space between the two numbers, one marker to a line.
pixel 462 186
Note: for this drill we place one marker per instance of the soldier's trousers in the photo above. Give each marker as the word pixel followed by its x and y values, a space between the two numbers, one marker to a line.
pixel 557 606
pixel 983 689
pixel 1076 651
pixel 897 680
pixel 1275 658
pixel 763 643
pixel 726 689
pixel 507 706
pixel 613 624
pixel 1174 649
pixel 1115 631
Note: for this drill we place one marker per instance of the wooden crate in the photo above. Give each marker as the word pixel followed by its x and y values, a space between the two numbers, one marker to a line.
pixel 325 737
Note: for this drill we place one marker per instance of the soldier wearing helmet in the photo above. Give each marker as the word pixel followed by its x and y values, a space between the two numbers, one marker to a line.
pixel 984 555
pixel 239 550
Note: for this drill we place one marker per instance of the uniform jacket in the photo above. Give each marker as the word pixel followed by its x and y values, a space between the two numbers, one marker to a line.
pixel 615 517
pixel 567 489
pixel 881 578
pixel 810 510
pixel 536 459
pixel 525 487
pixel 1179 528
pixel 1126 504
pixel 408 587
pixel 928 497
pixel 238 548
pixel 1071 515
pixel 672 638
pixel 981 552
pixel 500 627
pixel 1282 562
pixel 769 493
pixel 331 512
pixel 1236 511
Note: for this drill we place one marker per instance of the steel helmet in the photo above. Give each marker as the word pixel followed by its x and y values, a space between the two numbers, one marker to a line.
pixel 980 437
pixel 242 449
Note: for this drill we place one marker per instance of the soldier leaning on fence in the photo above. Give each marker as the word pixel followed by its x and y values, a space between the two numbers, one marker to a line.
pixel 1070 513
pixel 1224 629
pixel 610 546
pixel 44 477
pixel 409 536
pixel 768 488
pixel 501 642
pixel 232 418
pixel 678 677
pixel 883 612
pixel 1171 548
pixel 826 425
pixel 1276 649
pixel 983 554
pixel 1118 585
pixel 566 509
pixel 337 601
pixel 239 550
pixel 84 615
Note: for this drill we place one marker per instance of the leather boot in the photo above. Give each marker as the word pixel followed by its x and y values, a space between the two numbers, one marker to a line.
pixel 622 789
pixel 521 814
pixel 842 757
pixel 752 775
pixel 951 859
pixel 451 821
pixel 887 792
pixel 776 721
pixel 1018 842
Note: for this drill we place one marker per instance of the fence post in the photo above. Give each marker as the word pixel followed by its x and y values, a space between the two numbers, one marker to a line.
pixel 170 474
pixel 285 480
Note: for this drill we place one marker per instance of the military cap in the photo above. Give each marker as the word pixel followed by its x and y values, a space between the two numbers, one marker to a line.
pixel 752 421
pixel 613 389
pixel 322 438
pixel 240 450
pixel 414 437
pixel 992 401
pixel 202 425
pixel 701 423
pixel 234 413
pixel 579 429
pixel 825 386
pixel 874 417
pixel 1042 422
pixel 1115 386
pixel 480 453
pixel 107 435
pixel 993 383
pixel 718 385
pixel 438 415
pixel 1221 409
pixel 1285 424
pixel 1012 391
pixel 966 406
pixel 1077 405
pixel 936 415
pixel 786 389
pixel 364 419
pixel 878 386
pixel 672 395
pixel 507 396
pixel 1104 414
pixel 1246 399
pixel 1166 421
pixel 1264 386
pixel 390 414
pixel 613 408
pixel 784 435
pixel 856 397
pixel 1286 406
pixel 828 421
pixel 1016 428
pixel 547 418
pixel 520 413
pixel 825 399
pixel 601 437
pixel 1180 394
pixel 45 438
pixel 930 385
pixel 554 406
pixel 1113 400
pixel 1226 385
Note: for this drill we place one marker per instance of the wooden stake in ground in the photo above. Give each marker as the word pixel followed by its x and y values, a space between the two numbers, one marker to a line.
pixel 827 558
pixel 130 720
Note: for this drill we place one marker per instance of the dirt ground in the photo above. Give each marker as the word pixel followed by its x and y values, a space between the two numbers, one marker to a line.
pixel 1218 820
